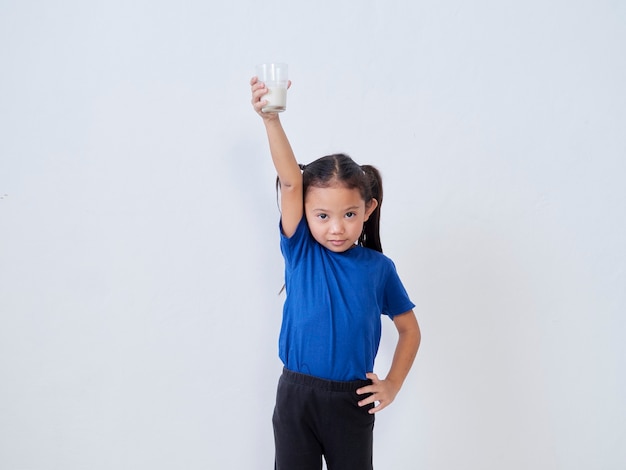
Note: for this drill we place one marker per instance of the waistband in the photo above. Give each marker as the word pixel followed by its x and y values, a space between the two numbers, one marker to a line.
pixel 323 384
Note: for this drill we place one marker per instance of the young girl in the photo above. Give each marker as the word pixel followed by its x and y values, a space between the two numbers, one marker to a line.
pixel 338 284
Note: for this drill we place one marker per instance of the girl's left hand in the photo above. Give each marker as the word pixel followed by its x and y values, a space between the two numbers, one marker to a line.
pixel 382 391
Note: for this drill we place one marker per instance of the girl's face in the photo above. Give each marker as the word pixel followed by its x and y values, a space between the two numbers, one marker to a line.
pixel 336 215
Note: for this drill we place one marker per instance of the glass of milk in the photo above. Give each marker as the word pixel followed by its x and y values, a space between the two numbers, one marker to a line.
pixel 275 78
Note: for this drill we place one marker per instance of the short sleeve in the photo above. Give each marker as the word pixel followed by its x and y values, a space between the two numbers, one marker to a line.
pixel 396 298
pixel 293 248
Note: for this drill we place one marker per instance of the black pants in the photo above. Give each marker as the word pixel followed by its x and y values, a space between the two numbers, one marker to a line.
pixel 315 417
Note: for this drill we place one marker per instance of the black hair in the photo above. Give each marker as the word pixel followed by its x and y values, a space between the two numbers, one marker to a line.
pixel 341 169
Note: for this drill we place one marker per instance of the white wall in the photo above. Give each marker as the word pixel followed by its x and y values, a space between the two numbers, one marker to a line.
pixel 139 265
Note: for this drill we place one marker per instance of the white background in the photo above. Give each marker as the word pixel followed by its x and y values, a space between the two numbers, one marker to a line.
pixel 139 260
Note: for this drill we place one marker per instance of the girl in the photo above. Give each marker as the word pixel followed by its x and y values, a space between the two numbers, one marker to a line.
pixel 338 284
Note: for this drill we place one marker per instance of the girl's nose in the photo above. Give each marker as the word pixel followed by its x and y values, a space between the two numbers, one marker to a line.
pixel 336 227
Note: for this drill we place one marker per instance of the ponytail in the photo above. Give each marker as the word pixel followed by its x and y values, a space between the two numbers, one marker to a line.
pixel 370 238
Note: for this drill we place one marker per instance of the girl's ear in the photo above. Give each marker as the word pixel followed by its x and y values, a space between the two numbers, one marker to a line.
pixel 370 207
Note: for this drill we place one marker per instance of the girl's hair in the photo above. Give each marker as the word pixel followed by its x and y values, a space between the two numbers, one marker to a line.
pixel 341 169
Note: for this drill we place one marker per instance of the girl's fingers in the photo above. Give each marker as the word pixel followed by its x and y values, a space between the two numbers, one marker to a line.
pixel 258 90
pixel 258 101
pixel 373 377
pixel 377 408
pixel 256 83
pixel 368 400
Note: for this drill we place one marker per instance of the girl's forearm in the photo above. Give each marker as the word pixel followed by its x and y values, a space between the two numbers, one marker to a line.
pixel 282 155
pixel 408 343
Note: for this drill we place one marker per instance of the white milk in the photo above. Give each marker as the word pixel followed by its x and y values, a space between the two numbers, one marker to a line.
pixel 276 99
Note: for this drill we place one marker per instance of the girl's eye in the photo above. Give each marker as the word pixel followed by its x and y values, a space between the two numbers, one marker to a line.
pixel 349 215
pixel 322 216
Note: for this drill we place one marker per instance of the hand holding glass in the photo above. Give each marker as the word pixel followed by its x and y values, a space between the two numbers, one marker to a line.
pixel 275 78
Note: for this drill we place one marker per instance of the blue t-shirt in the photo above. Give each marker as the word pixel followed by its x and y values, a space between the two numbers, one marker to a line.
pixel 332 314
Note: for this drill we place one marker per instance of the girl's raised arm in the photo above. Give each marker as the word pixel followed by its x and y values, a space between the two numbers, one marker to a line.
pixel 289 174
